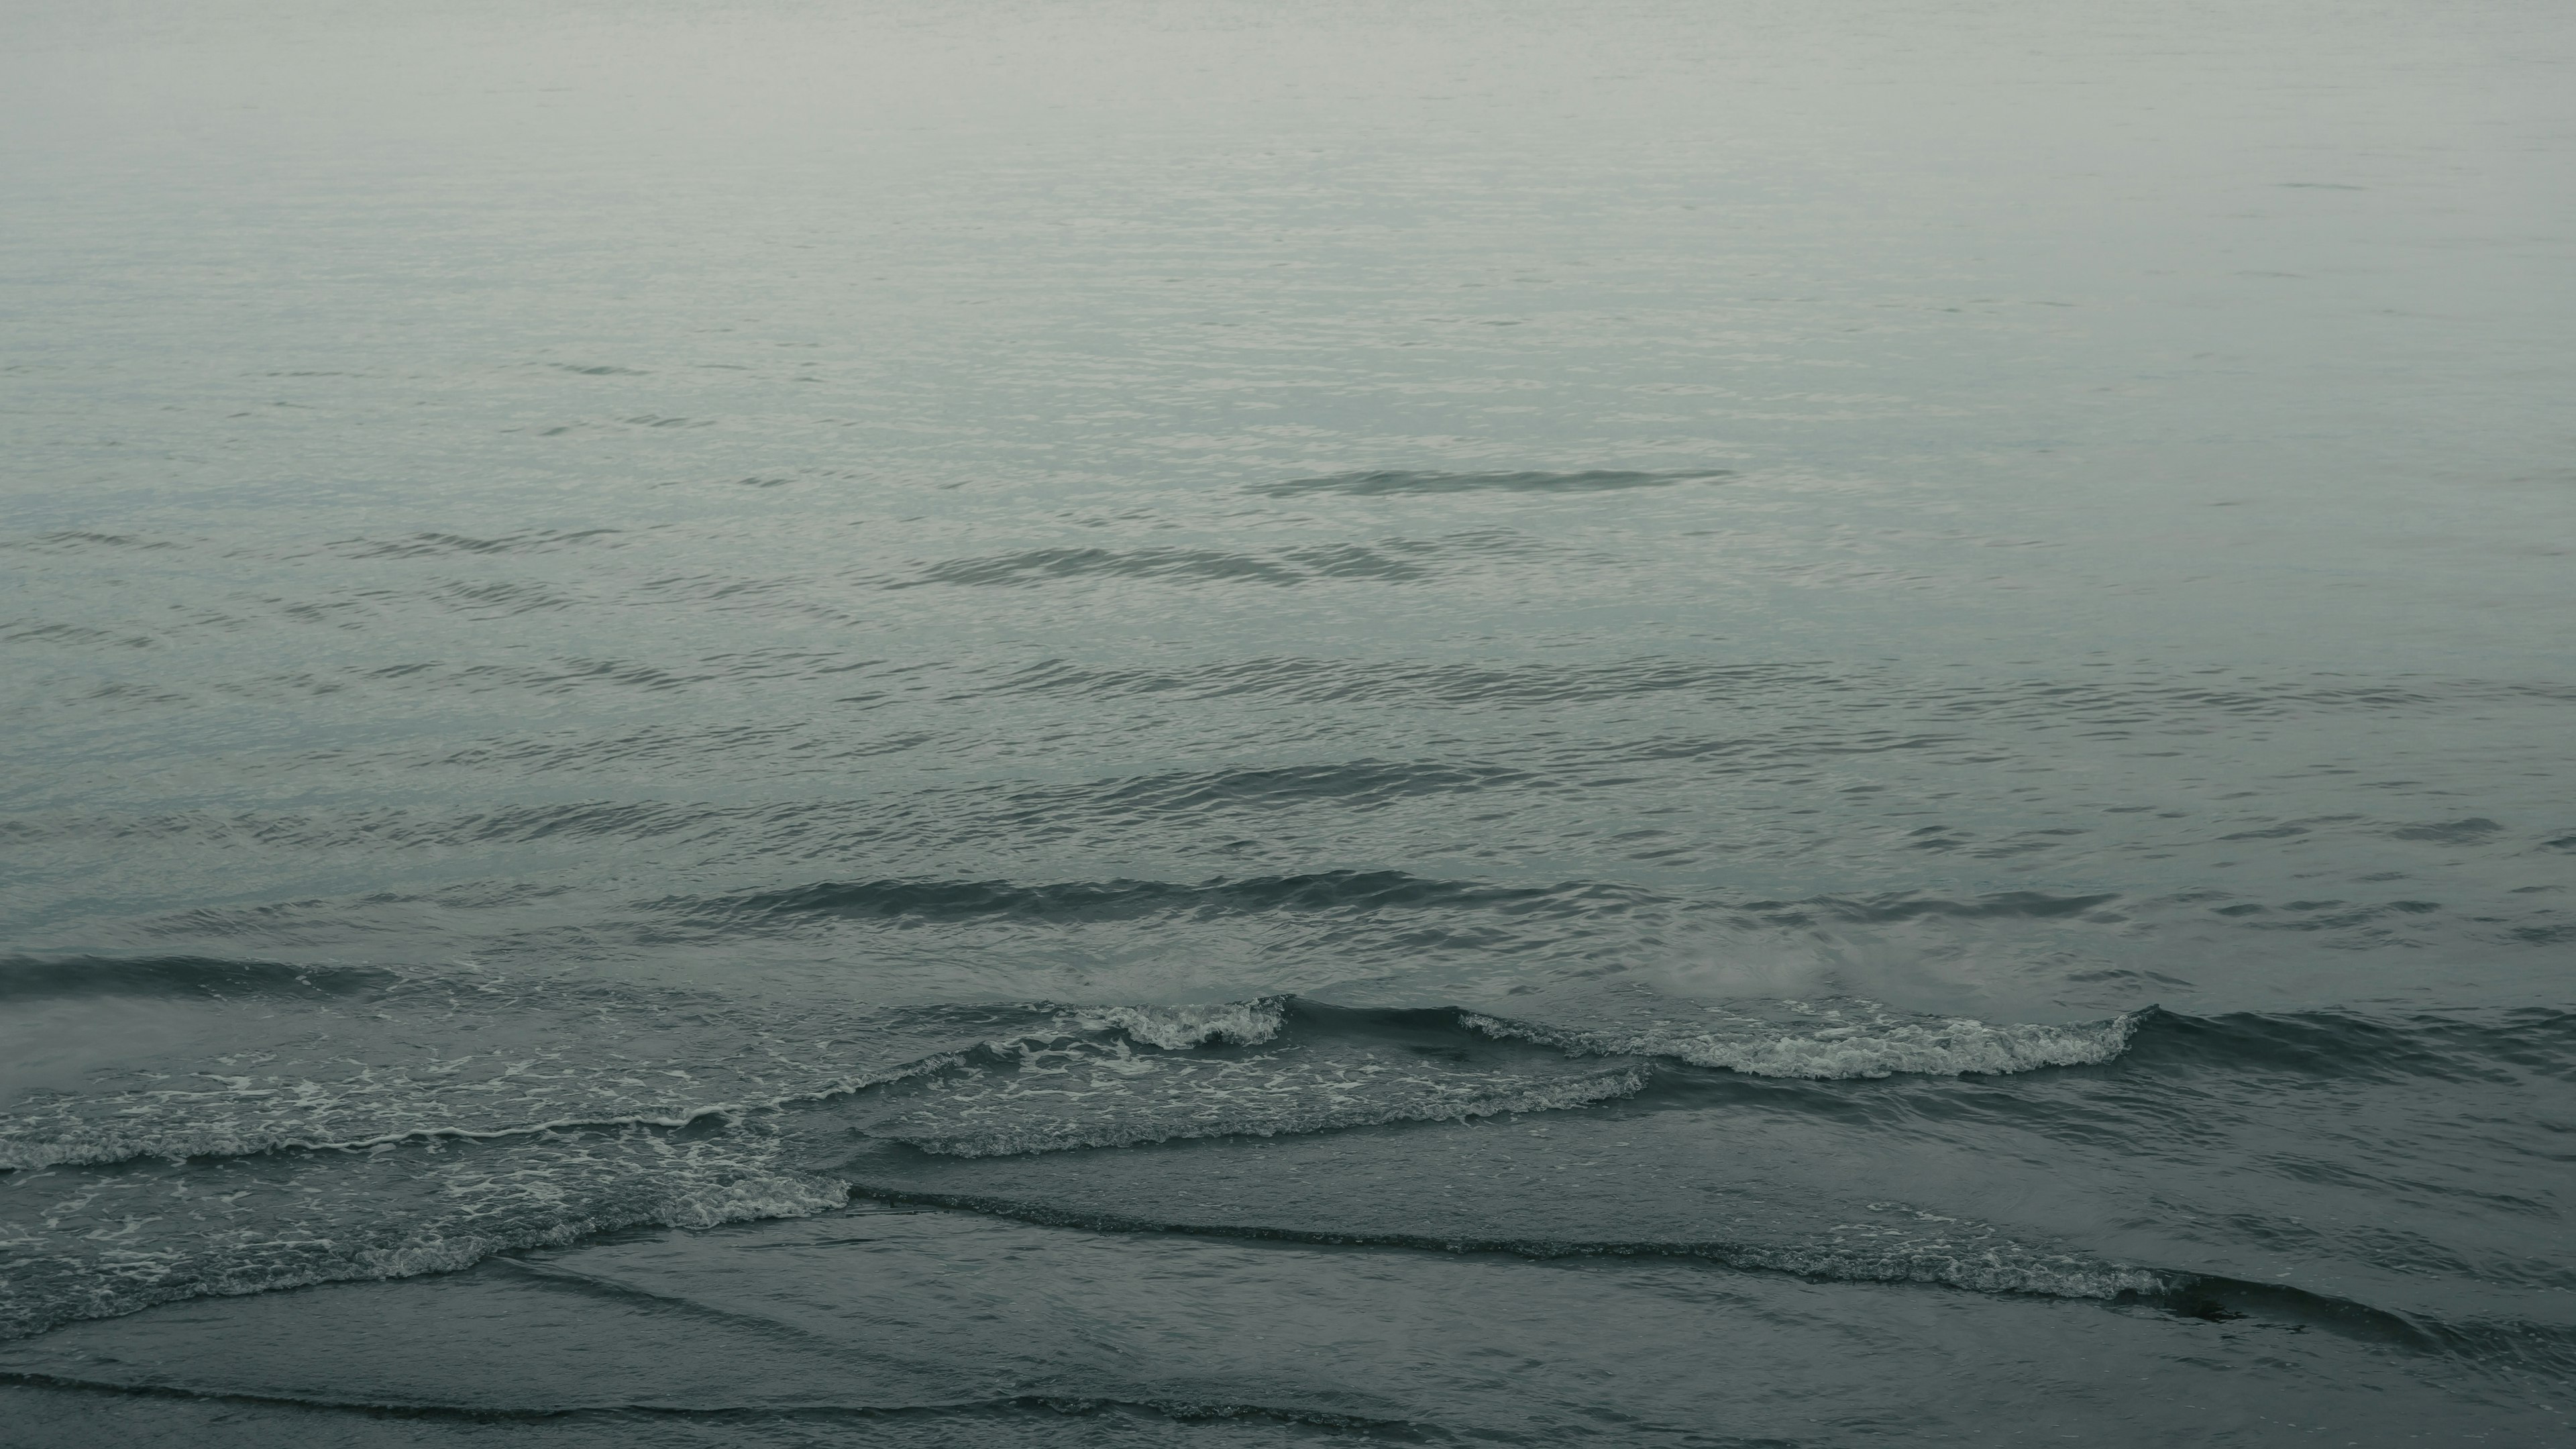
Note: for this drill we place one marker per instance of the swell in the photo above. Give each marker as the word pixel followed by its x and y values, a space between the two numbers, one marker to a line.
pixel 2545 1347
pixel 2135 704
pixel 2493 1047
pixel 1352 891
pixel 2051 1276
pixel 1392 560
pixel 2022 1273
pixel 966 817
pixel 969 815
pixel 1183 1410
pixel 38 977
pixel 433 545
pixel 1111 900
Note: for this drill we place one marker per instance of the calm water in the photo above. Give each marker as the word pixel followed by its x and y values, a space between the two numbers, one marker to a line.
pixel 1074 723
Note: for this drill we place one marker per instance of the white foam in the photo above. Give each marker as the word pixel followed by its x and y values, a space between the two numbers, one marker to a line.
pixel 1868 1043
pixel 1178 1028
pixel 88 1144
pixel 1982 1270
pixel 87 1246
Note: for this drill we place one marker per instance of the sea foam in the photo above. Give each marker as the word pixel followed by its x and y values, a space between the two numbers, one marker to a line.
pixel 1178 1028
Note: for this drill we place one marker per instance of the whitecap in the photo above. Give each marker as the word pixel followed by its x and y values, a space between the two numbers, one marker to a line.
pixel 1179 1028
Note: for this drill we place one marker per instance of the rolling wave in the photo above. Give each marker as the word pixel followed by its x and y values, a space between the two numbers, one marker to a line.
pixel 1028 1078
pixel 265 1208
pixel 1338 890
pixel 2497 1047
pixel 1042 1077
pixel 33 977
pixel 1874 1043
pixel 1270 1100
pixel 1287 1066
pixel 1178 1028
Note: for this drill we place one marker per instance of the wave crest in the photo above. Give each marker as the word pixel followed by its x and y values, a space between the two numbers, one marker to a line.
pixel 1179 1028
pixel 1881 1044
pixel 1293 1108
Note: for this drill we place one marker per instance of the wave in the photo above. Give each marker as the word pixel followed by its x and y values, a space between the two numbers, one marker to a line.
pixel 1394 560
pixel 90 1145
pixel 33 977
pixel 204 1141
pixel 1360 787
pixel 302 1208
pixel 1128 1076
pixel 1857 1039
pixel 2501 1047
pixel 1361 784
pixel 296 1220
pixel 938 1416
pixel 1382 484
pixel 246 1116
pixel 1178 1028
pixel 1042 1077
pixel 1052 1077
pixel 1957 1256
pixel 1307 680
pixel 1983 1264
pixel 1308 1107
pixel 2019 905
pixel 1300 1067
pixel 429 545
pixel 83 538
pixel 1863 1043
pixel 1337 890
pixel 1334 890
pixel 1801 695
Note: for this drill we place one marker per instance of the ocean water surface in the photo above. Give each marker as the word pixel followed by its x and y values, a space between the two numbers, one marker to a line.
pixel 1071 722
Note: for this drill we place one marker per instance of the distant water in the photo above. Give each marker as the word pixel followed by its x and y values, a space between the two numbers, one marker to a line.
pixel 1065 724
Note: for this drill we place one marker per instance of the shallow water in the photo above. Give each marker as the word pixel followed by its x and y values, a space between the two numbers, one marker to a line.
pixel 1082 723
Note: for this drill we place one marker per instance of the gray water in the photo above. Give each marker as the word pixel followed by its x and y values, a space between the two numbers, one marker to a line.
pixel 1081 723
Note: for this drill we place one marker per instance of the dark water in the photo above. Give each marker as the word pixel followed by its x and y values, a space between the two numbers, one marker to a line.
pixel 1071 723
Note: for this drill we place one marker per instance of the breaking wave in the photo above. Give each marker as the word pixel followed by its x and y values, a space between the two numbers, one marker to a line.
pixel 998 1122
pixel 1178 1028
pixel 271 1198
pixel 1065 1076
pixel 1846 1044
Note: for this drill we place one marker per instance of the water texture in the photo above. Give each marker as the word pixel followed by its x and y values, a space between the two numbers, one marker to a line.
pixel 1082 723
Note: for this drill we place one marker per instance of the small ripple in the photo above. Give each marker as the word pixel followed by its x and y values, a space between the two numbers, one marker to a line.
pixel 1384 484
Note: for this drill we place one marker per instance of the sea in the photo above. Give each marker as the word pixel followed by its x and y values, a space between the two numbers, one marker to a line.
pixel 788 723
